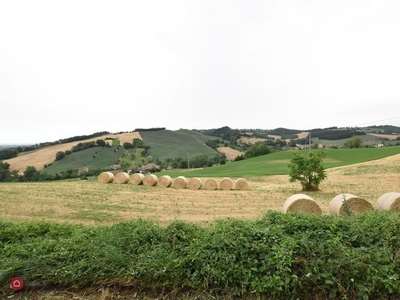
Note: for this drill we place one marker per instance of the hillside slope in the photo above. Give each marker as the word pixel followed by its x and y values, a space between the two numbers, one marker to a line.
pixel 44 156
pixel 180 143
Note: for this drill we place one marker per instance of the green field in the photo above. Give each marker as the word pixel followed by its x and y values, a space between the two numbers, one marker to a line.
pixel 364 138
pixel 277 163
pixel 93 158
pixel 173 144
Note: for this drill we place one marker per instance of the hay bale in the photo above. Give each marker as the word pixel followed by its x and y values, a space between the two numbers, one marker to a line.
pixel 211 184
pixel 136 178
pixel 301 203
pixel 241 184
pixel 389 201
pixel 150 180
pixel 355 205
pixel 121 177
pixel 180 182
pixel 164 181
pixel 105 177
pixel 226 184
pixel 194 183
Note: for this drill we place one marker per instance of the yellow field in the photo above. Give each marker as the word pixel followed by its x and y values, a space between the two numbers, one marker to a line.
pixel 92 203
pixel 47 155
pixel 229 152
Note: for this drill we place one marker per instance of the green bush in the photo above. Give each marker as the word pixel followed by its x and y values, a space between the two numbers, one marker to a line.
pixel 281 256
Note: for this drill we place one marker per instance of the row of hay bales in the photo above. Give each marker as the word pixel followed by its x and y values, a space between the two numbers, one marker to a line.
pixel 342 204
pixel 180 182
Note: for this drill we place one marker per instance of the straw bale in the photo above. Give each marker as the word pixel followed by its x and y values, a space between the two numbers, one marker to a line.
pixel 180 182
pixel 136 178
pixel 121 177
pixel 226 184
pixel 211 184
pixel 164 181
pixel 389 201
pixel 301 203
pixel 241 184
pixel 194 183
pixel 106 177
pixel 355 204
pixel 150 180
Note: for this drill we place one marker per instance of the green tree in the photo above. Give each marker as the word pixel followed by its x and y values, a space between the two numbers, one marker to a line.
pixel 257 149
pixel 127 145
pixel 31 174
pixel 60 155
pixel 5 174
pixel 308 169
pixel 354 142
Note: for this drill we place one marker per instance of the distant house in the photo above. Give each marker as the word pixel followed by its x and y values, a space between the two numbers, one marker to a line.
pixel 149 168
pixel 115 167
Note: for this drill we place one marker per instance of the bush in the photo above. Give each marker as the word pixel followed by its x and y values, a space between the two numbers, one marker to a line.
pixel 281 256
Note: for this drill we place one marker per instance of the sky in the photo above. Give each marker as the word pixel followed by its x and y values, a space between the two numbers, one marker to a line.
pixel 78 67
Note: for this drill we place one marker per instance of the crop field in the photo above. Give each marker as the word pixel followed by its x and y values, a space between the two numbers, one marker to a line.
pixel 88 240
pixel 92 203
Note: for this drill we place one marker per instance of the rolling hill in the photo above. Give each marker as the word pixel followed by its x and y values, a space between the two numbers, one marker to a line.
pixel 185 143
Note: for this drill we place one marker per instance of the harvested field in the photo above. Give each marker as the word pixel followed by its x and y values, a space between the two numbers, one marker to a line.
pixel 92 203
pixel 230 153
pixel 385 136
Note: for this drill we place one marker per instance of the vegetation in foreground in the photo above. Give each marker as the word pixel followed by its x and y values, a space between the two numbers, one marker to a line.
pixel 276 257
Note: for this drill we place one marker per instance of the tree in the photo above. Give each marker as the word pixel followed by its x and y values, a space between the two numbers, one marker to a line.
pixel 5 174
pixel 307 169
pixel 127 145
pixel 60 155
pixel 257 149
pixel 30 174
pixel 354 142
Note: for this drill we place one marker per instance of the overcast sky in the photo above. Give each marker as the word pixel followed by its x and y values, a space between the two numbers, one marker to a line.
pixel 77 67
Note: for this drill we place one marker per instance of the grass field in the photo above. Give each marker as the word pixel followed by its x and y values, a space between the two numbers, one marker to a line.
pixel 46 254
pixel 277 163
pixel 93 158
pixel 172 144
pixel 92 203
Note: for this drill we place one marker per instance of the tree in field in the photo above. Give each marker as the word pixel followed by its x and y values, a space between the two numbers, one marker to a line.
pixel 308 169
pixel 354 142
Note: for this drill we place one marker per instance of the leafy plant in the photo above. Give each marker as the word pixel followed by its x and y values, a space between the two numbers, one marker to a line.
pixel 308 169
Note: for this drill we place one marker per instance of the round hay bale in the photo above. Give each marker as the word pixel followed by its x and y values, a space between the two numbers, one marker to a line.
pixel 150 180
pixel 301 203
pixel 164 181
pixel 211 184
pixel 355 205
pixel 241 184
pixel 226 184
pixel 180 182
pixel 105 177
pixel 136 178
pixel 389 201
pixel 121 177
pixel 194 183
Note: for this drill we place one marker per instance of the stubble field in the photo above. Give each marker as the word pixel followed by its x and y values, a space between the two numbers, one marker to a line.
pixel 92 203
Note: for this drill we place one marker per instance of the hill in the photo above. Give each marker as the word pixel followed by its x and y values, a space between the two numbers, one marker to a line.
pixel 44 156
pixel 277 163
pixel 166 144
pixel 180 143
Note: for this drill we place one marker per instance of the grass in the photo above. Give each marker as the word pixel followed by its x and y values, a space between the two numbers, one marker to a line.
pixel 90 203
pixel 277 163
pixel 85 240
pixel 180 143
pixel 93 158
